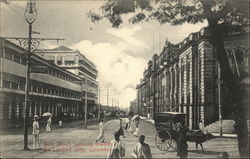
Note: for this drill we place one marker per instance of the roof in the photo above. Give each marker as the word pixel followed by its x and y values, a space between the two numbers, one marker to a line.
pixel 62 48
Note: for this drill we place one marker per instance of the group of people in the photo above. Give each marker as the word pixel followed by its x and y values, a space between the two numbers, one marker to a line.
pixel 117 147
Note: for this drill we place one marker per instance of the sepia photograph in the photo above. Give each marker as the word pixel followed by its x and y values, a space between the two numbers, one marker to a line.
pixel 124 79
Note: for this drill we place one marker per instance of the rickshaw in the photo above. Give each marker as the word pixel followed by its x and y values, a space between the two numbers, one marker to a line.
pixel 166 136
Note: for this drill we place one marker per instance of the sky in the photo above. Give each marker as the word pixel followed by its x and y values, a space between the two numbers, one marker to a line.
pixel 120 54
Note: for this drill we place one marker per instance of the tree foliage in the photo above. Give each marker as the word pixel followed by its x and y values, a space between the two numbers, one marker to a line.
pixel 176 12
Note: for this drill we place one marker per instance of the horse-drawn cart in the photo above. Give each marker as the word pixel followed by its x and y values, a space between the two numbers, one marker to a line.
pixel 166 135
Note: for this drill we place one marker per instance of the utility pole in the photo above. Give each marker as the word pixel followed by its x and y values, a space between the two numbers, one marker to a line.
pixel 86 103
pixel 219 99
pixel 30 44
pixel 99 102
pixel 107 96
pixel 118 104
pixel 112 103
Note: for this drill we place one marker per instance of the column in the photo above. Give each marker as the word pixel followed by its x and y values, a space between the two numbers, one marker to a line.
pixel 10 109
pixel 35 112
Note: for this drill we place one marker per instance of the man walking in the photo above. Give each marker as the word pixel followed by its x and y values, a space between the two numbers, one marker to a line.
pixel 35 133
pixel 101 133
pixel 142 150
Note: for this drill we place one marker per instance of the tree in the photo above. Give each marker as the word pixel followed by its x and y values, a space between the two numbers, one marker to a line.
pixel 223 17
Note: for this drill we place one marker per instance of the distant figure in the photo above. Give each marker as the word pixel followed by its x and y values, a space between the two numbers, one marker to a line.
pixel 136 133
pixel 130 129
pixel 35 133
pixel 60 123
pixel 120 130
pixel 117 147
pixel 48 124
pixel 142 150
pixel 126 123
pixel 101 133
pixel 223 155
pixel 202 128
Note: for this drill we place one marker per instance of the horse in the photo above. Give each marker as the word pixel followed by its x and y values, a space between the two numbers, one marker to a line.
pixel 198 137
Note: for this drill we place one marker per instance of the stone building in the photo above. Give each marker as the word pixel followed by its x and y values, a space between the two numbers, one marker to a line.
pixel 75 62
pixel 52 88
pixel 184 77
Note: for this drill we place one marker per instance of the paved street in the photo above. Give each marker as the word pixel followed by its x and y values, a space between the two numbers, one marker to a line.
pixel 79 143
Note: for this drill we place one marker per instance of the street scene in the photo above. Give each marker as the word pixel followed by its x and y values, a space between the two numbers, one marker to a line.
pixel 124 79
pixel 80 143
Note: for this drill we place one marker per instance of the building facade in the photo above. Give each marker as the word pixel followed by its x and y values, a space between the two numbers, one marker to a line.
pixel 52 88
pixel 184 77
pixel 75 62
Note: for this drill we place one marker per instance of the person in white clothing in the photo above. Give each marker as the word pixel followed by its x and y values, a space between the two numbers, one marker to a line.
pixel 35 133
pixel 117 147
pixel 48 124
pixel 101 133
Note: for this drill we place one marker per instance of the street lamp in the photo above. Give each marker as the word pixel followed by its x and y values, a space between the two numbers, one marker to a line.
pixel 30 44
pixel 30 16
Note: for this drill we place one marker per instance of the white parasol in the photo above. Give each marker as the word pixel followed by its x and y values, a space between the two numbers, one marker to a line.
pixel 47 114
pixel 134 117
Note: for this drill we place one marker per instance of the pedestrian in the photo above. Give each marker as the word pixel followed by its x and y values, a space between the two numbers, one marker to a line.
pixel 126 123
pixel 182 146
pixel 35 133
pixel 202 128
pixel 130 126
pixel 141 149
pixel 117 147
pixel 60 123
pixel 120 130
pixel 136 133
pixel 48 124
pixel 101 137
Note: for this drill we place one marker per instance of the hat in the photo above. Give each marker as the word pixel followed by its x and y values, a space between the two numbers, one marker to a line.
pixel 36 117
pixel 142 137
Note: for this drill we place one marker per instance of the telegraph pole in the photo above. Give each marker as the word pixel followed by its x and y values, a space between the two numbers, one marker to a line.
pixel 99 100
pixel 219 99
pixel 107 96
pixel 30 44
pixel 86 103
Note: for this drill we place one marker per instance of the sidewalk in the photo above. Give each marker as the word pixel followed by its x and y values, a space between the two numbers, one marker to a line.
pixel 215 134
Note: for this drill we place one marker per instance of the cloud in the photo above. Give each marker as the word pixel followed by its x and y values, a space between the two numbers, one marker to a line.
pixel 117 69
pixel 126 35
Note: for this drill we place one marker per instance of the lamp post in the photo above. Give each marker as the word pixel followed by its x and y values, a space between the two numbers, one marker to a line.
pixel 30 17
pixel 219 99
pixel 30 44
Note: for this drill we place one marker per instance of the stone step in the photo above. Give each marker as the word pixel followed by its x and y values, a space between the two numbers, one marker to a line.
pixel 227 127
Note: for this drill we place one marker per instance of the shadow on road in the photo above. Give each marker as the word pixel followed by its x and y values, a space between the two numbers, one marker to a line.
pixel 209 152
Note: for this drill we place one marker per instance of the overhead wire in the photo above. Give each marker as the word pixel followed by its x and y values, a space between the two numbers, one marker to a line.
pixel 14 10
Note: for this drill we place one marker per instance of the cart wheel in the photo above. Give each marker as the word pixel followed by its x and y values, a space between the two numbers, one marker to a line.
pixel 174 144
pixel 163 140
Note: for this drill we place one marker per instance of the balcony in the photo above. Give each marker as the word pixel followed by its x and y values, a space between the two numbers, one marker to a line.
pixel 13 68
pixel 49 79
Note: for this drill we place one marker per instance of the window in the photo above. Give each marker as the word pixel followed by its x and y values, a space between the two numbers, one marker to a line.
pixel 23 61
pixel 6 84
pixel 8 55
pixel 14 85
pixel 17 59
